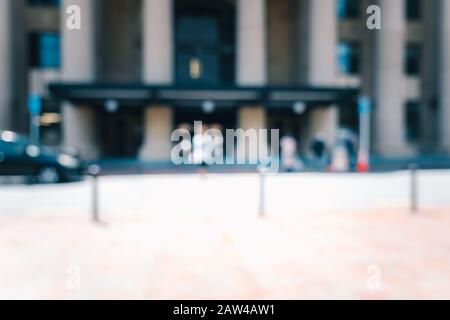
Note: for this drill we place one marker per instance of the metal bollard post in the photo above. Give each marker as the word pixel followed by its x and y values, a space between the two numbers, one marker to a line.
pixel 262 192
pixel 413 168
pixel 94 171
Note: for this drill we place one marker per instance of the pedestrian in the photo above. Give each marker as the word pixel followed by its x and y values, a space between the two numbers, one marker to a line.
pixel 289 159
pixel 319 150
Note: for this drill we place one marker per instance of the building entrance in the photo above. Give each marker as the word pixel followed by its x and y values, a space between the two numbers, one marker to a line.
pixel 121 133
pixel 290 123
pixel 220 119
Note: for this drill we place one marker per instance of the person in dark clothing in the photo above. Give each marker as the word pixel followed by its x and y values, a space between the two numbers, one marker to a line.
pixel 318 149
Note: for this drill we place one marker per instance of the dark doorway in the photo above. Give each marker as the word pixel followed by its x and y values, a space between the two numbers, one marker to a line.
pixel 289 123
pixel 205 42
pixel 221 119
pixel 121 133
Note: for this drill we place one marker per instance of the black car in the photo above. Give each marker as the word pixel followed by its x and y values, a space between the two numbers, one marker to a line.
pixel 18 156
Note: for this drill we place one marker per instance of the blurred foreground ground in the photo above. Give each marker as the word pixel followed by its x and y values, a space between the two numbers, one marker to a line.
pixel 198 237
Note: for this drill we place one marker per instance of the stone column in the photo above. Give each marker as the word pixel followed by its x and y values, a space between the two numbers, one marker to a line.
pixel 5 64
pixel 158 70
pixel 79 65
pixel 251 118
pixel 252 48
pixel 322 41
pixel 444 75
pixel 251 61
pixel 158 129
pixel 389 80
pixel 321 26
pixel 158 41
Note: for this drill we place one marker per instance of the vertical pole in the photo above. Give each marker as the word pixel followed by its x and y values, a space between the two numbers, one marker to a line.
pixel 262 193
pixel 364 106
pixel 31 124
pixel 413 187
pixel 34 128
pixel 94 171
pixel 34 110
pixel 95 216
pixel 365 131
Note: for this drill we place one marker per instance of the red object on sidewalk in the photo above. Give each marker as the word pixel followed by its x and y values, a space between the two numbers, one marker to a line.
pixel 363 162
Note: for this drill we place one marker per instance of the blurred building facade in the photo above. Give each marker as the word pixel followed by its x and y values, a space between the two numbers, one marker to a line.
pixel 138 69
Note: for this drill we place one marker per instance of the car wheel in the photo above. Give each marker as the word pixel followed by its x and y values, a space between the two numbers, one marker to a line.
pixel 47 175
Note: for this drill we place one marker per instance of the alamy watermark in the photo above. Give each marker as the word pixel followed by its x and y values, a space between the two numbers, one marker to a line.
pixel 73 19
pixel 374 20
pixel 373 281
pixel 73 278
pixel 239 146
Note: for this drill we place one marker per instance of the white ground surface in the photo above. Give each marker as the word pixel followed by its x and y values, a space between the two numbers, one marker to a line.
pixel 228 194
pixel 192 236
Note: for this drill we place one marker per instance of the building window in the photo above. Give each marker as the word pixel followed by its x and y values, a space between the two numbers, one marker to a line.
pixel 413 10
pixel 349 116
pixel 205 42
pixel 197 59
pixel 52 3
pixel 45 50
pixel 412 59
pixel 348 9
pixel 412 121
pixel 348 57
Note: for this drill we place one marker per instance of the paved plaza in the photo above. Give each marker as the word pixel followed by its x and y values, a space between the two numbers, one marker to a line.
pixel 199 237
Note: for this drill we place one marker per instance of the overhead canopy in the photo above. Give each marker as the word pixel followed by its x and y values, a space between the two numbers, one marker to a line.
pixel 181 96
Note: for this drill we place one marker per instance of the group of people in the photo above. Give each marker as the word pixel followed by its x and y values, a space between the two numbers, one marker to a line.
pixel 339 157
pixel 319 156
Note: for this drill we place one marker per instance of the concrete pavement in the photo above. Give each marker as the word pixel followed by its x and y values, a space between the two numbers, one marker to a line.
pixel 193 237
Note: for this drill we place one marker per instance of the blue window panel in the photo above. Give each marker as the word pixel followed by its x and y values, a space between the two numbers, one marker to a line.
pixel 412 121
pixel 53 3
pixel 50 54
pixel 348 56
pixel 413 10
pixel 348 8
pixel 413 58
pixel 45 50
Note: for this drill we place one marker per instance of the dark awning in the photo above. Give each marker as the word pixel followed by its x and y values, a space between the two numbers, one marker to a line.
pixel 224 96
